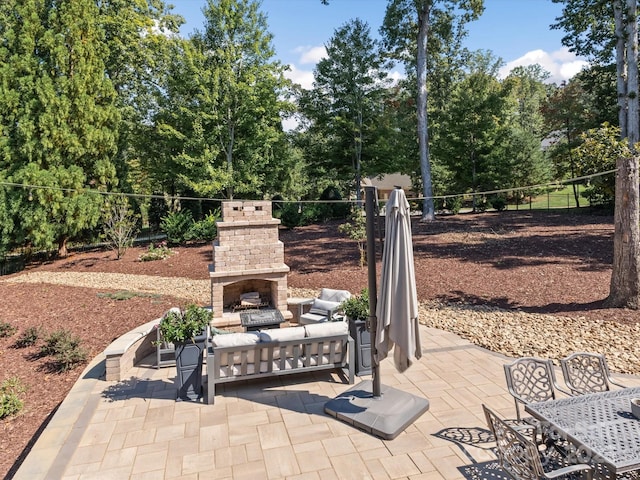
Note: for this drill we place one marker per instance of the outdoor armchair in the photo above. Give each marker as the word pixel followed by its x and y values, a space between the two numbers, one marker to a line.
pixel 586 372
pixel 325 307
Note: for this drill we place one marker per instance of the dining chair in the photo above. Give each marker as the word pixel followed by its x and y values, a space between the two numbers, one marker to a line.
pixel 520 458
pixel 586 372
pixel 531 380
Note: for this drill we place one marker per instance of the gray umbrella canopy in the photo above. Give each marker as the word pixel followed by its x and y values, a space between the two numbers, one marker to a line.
pixel 397 307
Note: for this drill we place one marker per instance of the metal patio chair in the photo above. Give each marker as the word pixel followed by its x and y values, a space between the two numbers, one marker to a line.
pixel 519 457
pixel 586 372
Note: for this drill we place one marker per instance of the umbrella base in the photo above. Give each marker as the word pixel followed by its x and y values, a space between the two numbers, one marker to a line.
pixel 385 417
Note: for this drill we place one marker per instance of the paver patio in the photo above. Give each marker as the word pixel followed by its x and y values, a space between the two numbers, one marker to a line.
pixel 277 429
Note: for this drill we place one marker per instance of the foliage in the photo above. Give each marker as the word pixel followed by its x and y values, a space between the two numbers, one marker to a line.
pixel 6 329
pixel 205 229
pixel 453 204
pixel 58 118
pixel 28 338
pixel 357 306
pixel 356 229
pixel 120 226
pixel 65 349
pixel 183 325
pixel 176 226
pixel 344 102
pixel 156 252
pixel 598 152
pixel 290 215
pixel 498 202
pixel 11 389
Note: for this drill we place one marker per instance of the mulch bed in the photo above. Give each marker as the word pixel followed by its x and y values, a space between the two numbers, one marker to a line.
pixel 538 262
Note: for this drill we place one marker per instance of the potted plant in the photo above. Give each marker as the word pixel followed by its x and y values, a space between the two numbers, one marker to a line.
pixel 187 330
pixel 356 309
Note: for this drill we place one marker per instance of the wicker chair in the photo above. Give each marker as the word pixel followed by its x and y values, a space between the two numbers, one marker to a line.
pixel 587 373
pixel 519 457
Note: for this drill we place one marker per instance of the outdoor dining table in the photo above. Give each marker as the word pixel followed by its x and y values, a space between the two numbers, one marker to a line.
pixel 600 426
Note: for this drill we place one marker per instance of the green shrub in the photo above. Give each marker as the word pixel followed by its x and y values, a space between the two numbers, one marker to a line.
pixel 176 226
pixel 65 349
pixel 357 307
pixel 182 325
pixel 499 203
pixel 10 402
pixel 159 252
pixel 6 329
pixel 28 338
pixel 120 226
pixel 205 229
pixel 290 215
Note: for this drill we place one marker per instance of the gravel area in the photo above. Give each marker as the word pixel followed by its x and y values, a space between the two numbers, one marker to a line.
pixel 509 332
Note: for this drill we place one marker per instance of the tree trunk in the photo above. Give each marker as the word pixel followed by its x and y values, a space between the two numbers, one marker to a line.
pixel 621 72
pixel 62 247
pixel 428 210
pixel 625 277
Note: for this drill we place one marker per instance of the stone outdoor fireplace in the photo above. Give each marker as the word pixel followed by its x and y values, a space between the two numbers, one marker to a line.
pixel 248 269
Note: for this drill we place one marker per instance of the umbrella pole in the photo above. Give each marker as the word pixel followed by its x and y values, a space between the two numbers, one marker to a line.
pixel 371 197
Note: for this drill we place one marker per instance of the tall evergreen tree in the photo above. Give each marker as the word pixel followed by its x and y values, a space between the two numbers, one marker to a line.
pixel 59 118
pixel 347 95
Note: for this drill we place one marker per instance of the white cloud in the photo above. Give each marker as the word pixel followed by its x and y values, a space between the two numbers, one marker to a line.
pixel 561 64
pixel 301 77
pixel 310 55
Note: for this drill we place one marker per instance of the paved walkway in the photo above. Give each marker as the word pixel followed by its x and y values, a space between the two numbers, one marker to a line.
pixel 276 429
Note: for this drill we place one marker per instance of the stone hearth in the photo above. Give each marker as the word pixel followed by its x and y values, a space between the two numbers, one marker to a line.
pixel 248 257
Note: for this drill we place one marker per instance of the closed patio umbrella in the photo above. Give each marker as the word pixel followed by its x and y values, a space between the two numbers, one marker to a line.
pixel 397 307
pixel 379 409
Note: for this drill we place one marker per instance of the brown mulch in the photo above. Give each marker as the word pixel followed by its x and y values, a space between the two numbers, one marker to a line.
pixel 530 261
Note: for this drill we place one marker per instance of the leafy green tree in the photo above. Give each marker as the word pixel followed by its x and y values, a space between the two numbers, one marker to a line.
pixel 414 31
pixel 567 115
pixel 247 85
pixel 597 152
pixel 596 29
pixel 476 125
pixel 345 100
pixel 58 118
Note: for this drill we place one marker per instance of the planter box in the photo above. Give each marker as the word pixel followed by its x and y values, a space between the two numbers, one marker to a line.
pixel 189 359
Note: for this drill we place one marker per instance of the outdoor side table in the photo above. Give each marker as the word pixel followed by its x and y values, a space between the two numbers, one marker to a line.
pixel 600 426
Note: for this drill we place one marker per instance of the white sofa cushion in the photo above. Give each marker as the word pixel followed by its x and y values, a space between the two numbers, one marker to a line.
pixel 236 340
pixel 281 335
pixel 325 329
pixel 321 307
pixel 334 295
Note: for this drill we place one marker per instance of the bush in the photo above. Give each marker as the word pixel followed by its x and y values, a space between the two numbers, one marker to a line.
pixel 6 329
pixel 10 402
pixel 176 226
pixel 65 350
pixel 183 325
pixel 28 338
pixel 205 229
pixel 290 215
pixel 499 203
pixel 357 307
pixel 159 252
pixel 356 229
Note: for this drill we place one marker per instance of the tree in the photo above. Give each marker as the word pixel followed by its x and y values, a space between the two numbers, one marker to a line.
pixel 58 118
pixel 476 124
pixel 248 85
pixel 347 94
pixel 585 21
pixel 567 115
pixel 422 20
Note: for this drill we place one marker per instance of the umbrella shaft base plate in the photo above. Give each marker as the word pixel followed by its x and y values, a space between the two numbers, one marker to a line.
pixel 385 416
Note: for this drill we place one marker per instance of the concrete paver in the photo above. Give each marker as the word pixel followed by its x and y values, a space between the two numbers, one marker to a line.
pixel 275 429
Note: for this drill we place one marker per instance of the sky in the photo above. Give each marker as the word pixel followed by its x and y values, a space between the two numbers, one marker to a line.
pixel 515 30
